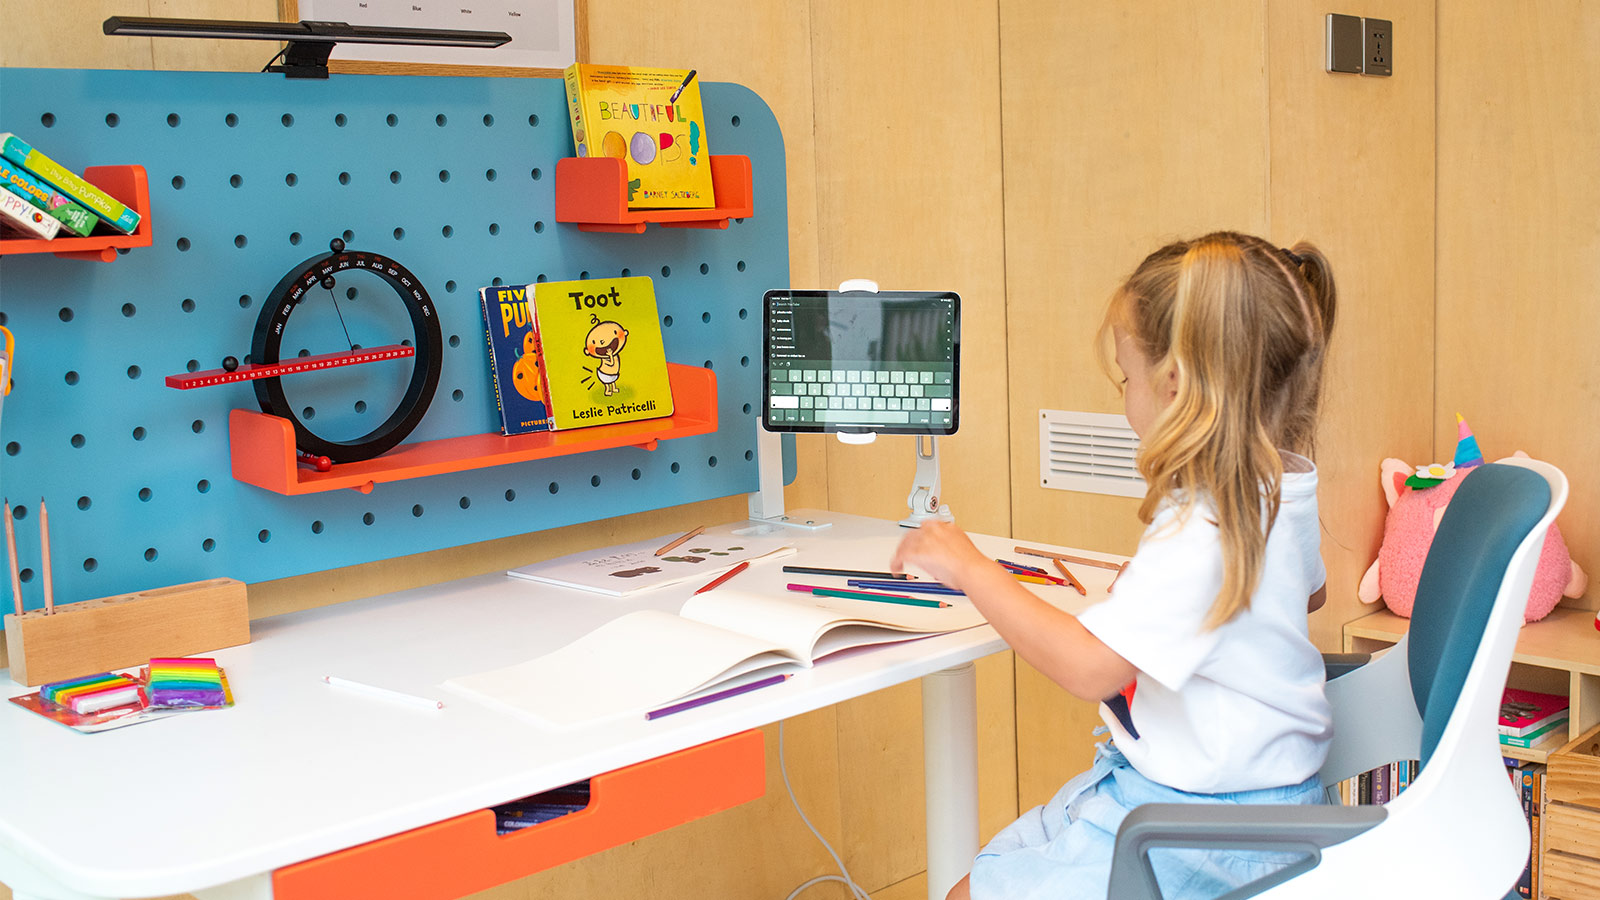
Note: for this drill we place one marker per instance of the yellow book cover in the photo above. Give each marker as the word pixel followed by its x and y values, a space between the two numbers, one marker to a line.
pixel 604 360
pixel 650 118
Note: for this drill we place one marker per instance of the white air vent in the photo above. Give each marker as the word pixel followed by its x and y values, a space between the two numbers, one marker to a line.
pixel 1092 452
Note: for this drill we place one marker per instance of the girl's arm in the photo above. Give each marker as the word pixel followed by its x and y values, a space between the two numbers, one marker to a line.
pixel 1052 641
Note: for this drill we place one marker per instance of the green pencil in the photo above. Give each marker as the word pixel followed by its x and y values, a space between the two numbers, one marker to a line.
pixel 867 595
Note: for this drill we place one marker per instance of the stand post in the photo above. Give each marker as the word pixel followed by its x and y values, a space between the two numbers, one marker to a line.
pixel 924 496
pixel 766 503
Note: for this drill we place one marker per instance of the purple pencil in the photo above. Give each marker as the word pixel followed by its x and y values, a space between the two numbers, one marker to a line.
pixel 714 697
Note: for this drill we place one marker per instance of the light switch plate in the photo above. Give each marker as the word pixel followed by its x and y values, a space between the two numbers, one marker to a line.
pixel 1346 44
pixel 1378 58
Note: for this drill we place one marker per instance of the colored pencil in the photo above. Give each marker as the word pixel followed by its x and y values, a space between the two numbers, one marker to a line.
pixel 842 593
pixel 1071 579
pixel 846 573
pixel 912 587
pixel 1030 573
pixel 724 576
pixel 1083 560
pixel 1120 569
pixel 11 553
pixel 674 543
pixel 714 697
pixel 358 687
pixel 44 556
pixel 1037 579
pixel 1021 566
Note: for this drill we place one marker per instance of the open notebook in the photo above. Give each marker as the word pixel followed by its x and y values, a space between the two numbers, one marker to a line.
pixel 646 659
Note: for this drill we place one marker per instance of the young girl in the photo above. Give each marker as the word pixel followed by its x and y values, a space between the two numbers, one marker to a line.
pixel 1210 688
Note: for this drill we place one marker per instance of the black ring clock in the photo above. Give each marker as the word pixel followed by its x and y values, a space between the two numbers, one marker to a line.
pixel 426 341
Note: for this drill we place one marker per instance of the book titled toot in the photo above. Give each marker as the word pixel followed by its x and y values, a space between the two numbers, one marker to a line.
pixel 603 359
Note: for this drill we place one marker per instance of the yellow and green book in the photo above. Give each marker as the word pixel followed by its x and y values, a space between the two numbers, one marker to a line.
pixel 102 204
pixel 604 360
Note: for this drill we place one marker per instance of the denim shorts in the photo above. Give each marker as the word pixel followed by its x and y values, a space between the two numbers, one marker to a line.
pixel 1062 850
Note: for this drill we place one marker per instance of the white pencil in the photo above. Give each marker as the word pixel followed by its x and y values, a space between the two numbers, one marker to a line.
pixel 358 687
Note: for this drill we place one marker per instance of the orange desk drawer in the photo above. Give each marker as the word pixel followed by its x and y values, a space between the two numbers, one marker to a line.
pixel 462 855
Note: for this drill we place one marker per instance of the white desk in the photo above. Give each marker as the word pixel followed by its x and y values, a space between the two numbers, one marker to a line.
pixel 297 769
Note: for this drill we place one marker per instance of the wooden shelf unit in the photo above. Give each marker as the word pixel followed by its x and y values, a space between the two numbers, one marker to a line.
pixel 1562 646
pixel 126 183
pixel 264 451
pixel 592 193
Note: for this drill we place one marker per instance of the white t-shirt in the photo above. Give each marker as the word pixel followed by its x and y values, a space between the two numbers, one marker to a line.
pixel 1239 707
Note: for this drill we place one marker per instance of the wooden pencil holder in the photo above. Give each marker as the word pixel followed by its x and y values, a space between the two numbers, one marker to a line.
pixel 126 630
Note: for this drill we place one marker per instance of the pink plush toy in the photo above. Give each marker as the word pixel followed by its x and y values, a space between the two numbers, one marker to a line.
pixel 1417 500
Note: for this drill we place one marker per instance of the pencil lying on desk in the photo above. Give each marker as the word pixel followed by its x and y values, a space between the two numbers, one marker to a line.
pixel 915 587
pixel 846 594
pixel 846 573
pixel 1083 560
pixel 1071 579
pixel 724 576
pixel 674 543
pixel 714 697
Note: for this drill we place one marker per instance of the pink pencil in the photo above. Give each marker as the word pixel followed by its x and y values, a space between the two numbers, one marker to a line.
pixel 11 551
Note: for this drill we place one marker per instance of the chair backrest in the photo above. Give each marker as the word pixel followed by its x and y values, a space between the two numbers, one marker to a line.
pixel 1489 517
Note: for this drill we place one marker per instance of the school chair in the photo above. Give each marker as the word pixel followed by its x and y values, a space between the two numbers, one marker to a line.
pixel 1458 829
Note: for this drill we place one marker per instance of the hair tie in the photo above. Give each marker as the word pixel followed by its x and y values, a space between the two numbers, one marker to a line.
pixel 1292 256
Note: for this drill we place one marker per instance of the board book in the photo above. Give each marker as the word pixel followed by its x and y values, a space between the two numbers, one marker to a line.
pixel 646 659
pixel 26 219
pixel 652 120
pixel 631 568
pixel 102 204
pixel 514 360
pixel 600 341
pixel 1527 713
pixel 72 217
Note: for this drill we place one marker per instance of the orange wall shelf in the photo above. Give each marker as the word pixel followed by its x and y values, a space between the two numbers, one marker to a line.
pixel 592 192
pixel 126 183
pixel 463 855
pixel 264 453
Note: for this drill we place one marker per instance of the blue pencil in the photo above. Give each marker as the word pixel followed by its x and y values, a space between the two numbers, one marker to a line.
pixel 915 587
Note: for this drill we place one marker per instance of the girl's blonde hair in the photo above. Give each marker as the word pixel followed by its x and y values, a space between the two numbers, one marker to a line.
pixel 1245 326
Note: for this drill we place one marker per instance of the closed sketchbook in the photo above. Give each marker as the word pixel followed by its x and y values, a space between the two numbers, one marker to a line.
pixel 631 568
pixel 647 659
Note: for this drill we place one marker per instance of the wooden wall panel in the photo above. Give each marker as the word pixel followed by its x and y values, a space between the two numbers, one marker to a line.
pixel 1519 248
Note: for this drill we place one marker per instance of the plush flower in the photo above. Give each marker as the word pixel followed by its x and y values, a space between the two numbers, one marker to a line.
pixel 1431 475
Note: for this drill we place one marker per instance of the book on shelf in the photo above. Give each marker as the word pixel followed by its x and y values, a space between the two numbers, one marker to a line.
pixel 108 208
pixel 631 568
pixel 652 120
pixel 24 219
pixel 515 365
pixel 72 217
pixel 1523 713
pixel 722 638
pixel 600 341
pixel 1528 740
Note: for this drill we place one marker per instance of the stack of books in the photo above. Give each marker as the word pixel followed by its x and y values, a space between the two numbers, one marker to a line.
pixel 1526 717
pixel 41 199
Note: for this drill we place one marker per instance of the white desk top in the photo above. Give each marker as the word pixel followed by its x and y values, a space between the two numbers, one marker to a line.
pixel 298 769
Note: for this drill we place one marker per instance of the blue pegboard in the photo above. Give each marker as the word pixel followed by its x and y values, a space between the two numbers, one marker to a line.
pixel 251 174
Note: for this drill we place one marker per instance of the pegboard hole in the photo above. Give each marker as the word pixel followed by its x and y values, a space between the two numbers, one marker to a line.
pixel 145 494
pixel 192 365
pixel 340 120
pixel 394 177
pixel 744 362
pixel 344 177
pixel 705 317
pixel 449 287
pixel 78 441
pixel 734 121
pixel 263 535
pixel 236 180
pixel 187 305
pixel 203 486
pixel 13 448
pixel 540 278
pixel 399 234
pixel 708 363
pixel 208 545
pixel 704 269
pixel 392 119
pixel 554 487
pixel 113 120
pixel 19 512
pixel 173 120
pixel 584 275
pixel 178 182
pixel 674 468
pixel 368 518
pixel 349 235
pixel 291 179
pixel 239 241
pixel 749 455
pixel 245 300
pixel 739 265
pixel 712 462
pixel 440 120
pixel 316 527
pixel 183 245
pixel 90 564
pixel 447 231
pixel 510 495
pixel 465 502
pixel 496 281
pixel 308 413
pixel 128 309
pixel 48 120
pixel 494 227
pixel 594 480
pixel 150 554
pixel 744 313
pixel 666 271
pixel 747 409
pixel 287 120
pixel 636 474
pixel 361 406
pixel 416 510
pixel 444 175
pixel 197 426
pixel 457 395
pixel 65 314
pixel 537 174
pixel 84 503
pixel 490 175
pixel 626 271
pixel 231 120
pixel 139 433
pixel 71 378
pixel 666 321
pixel 533 121
pixel 488 121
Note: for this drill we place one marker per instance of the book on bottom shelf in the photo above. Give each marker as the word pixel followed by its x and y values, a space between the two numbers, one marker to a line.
pixel 515 365
pixel 603 357
pixel 722 638
pixel 653 121
pixel 24 219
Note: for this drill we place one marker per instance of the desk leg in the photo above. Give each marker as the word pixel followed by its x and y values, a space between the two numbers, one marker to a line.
pixel 950 754
pixel 256 887
pixel 27 882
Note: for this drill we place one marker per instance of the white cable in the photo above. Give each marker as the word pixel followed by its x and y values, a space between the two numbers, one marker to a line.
pixel 855 890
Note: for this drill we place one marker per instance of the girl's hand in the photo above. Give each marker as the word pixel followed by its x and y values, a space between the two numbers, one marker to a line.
pixel 943 551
